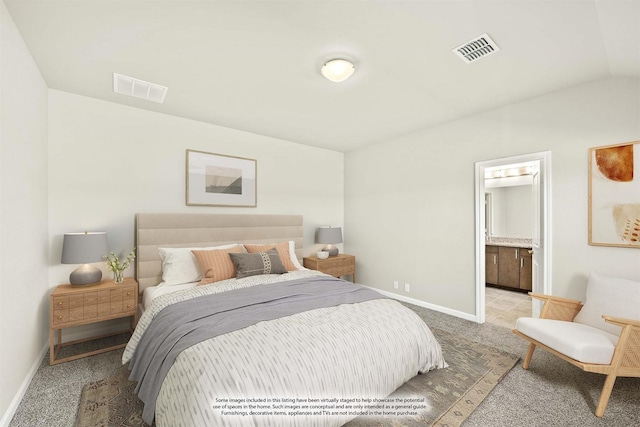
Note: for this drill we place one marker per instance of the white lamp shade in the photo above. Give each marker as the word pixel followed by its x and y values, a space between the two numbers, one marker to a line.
pixel 83 248
pixel 337 70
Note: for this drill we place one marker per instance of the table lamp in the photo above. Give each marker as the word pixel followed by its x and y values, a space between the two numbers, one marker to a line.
pixel 330 236
pixel 84 248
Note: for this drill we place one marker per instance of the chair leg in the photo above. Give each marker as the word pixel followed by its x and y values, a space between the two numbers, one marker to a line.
pixel 527 358
pixel 604 395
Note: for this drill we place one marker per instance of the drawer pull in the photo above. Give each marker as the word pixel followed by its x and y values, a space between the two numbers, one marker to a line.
pixel 60 303
pixel 128 294
pixel 59 317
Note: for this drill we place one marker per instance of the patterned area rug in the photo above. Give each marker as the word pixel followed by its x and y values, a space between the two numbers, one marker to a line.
pixel 450 394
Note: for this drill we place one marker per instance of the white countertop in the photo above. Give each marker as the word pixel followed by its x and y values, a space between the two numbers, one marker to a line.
pixel 515 242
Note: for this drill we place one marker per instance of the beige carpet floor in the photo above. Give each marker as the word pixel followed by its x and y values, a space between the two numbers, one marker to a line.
pixel 551 393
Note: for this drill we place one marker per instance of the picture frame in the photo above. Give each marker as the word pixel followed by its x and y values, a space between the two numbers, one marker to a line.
pixel 614 195
pixel 219 180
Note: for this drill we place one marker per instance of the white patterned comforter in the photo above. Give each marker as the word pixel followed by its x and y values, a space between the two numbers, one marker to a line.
pixel 363 350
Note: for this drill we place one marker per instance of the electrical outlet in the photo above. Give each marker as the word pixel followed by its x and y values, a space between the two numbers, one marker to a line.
pixel 395 284
pixel 407 287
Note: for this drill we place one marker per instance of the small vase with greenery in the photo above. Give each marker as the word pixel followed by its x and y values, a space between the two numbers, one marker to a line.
pixel 118 267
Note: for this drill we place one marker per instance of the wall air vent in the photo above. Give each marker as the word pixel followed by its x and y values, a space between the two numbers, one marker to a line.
pixel 131 86
pixel 475 49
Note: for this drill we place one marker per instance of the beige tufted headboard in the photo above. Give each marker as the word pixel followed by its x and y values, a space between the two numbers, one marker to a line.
pixel 162 230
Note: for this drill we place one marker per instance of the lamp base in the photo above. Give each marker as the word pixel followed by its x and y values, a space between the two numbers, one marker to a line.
pixel 85 275
pixel 333 251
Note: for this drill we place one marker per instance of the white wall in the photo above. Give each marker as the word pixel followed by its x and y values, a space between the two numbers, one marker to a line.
pixel 107 162
pixel 71 163
pixel 512 209
pixel 23 216
pixel 409 202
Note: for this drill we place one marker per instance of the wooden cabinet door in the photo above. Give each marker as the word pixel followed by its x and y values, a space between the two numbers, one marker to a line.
pixel 509 267
pixel 525 270
pixel 491 265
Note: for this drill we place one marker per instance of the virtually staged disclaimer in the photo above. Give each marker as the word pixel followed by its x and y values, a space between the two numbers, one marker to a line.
pixel 291 407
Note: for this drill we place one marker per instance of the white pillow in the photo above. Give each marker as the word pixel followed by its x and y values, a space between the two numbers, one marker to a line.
pixel 610 296
pixel 179 265
pixel 292 254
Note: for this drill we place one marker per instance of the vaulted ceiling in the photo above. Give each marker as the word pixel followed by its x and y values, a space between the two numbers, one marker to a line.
pixel 255 65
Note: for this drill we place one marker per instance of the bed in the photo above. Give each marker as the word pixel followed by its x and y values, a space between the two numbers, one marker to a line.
pixel 279 349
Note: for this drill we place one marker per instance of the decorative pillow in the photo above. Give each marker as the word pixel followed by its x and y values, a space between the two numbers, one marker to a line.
pixel 257 263
pixel 610 296
pixel 179 265
pixel 216 264
pixel 283 248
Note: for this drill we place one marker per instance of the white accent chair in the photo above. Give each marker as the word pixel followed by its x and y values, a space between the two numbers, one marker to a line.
pixel 601 336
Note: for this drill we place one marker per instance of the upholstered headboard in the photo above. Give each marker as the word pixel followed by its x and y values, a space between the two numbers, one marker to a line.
pixel 161 230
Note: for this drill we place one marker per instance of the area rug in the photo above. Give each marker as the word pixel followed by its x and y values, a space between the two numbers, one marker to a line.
pixel 450 395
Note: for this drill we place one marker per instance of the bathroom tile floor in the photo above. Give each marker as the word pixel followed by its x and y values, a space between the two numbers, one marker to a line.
pixel 503 307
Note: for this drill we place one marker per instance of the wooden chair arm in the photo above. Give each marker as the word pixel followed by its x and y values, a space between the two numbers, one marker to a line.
pixel 626 357
pixel 554 298
pixel 620 321
pixel 558 308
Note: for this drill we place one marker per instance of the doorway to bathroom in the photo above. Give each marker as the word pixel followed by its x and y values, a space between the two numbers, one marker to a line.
pixel 533 170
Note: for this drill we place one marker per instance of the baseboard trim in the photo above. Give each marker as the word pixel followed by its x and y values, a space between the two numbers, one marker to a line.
pixel 434 307
pixel 13 406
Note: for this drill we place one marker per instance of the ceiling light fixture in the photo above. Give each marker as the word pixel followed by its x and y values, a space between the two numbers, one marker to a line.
pixel 337 70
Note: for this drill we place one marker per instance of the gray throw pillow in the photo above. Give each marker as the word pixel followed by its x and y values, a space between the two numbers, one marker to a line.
pixel 257 263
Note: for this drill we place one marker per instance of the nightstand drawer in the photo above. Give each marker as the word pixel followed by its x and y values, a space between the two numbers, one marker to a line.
pixel 339 265
pixel 61 303
pixel 120 294
pixel 124 306
pixel 61 316
pixel 338 271
pixel 347 269
pixel 128 293
pixel 129 305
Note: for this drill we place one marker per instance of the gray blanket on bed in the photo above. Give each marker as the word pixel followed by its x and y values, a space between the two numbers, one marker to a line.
pixel 184 324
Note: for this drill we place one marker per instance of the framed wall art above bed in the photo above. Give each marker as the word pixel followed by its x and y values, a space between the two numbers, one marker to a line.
pixel 219 180
pixel 614 195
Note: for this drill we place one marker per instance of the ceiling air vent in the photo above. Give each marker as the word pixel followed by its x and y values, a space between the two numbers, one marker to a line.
pixel 477 48
pixel 131 86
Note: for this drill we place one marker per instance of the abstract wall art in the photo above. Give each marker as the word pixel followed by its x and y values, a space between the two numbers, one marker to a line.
pixel 614 195
pixel 219 180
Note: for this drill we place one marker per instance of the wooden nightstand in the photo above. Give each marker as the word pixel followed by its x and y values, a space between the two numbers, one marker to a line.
pixel 339 265
pixel 77 305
